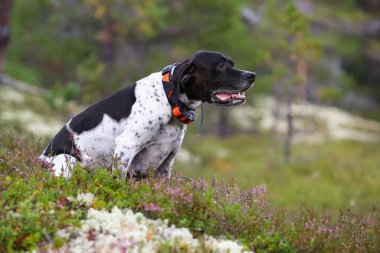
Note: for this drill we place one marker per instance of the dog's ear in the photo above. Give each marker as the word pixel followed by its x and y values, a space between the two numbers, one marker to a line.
pixel 184 71
pixel 188 73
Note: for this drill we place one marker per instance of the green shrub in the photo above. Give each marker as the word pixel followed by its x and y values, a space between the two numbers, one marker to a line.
pixel 34 205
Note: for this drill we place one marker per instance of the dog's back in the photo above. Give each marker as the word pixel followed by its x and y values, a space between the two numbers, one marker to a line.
pixel 117 107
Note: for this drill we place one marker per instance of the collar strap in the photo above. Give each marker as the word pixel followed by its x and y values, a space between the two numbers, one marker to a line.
pixel 179 109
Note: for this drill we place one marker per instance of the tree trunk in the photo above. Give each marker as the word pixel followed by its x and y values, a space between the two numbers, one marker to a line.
pixel 223 127
pixel 276 114
pixel 23 87
pixel 5 30
pixel 289 134
pixel 108 53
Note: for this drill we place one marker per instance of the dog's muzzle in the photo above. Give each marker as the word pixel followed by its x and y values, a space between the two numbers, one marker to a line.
pixel 235 96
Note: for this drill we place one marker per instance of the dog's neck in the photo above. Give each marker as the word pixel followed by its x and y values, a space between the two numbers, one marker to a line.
pixel 192 104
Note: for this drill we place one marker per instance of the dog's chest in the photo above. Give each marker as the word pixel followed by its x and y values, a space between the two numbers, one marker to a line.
pixel 162 146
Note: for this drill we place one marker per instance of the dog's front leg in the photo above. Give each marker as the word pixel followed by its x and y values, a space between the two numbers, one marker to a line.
pixel 132 141
pixel 165 169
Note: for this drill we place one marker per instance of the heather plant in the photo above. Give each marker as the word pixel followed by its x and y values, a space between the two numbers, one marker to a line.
pixel 35 205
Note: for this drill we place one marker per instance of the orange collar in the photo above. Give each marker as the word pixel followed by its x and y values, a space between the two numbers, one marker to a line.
pixel 179 109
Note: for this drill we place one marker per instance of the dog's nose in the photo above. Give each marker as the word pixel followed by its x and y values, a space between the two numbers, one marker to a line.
pixel 250 76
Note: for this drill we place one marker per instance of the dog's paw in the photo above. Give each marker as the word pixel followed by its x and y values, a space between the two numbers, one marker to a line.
pixel 62 165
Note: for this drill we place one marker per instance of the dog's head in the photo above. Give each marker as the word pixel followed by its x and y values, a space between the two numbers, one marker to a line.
pixel 211 77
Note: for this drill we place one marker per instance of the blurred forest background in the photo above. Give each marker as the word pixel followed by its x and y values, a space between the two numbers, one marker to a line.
pixel 310 129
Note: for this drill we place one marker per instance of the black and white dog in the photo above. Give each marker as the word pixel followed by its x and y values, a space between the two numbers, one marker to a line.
pixel 141 128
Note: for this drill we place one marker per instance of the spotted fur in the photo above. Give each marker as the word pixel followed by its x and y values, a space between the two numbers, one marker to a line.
pixel 148 137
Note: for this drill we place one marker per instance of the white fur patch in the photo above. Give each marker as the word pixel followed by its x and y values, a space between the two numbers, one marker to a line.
pixel 61 164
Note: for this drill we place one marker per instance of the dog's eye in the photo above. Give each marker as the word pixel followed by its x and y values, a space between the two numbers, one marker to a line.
pixel 221 65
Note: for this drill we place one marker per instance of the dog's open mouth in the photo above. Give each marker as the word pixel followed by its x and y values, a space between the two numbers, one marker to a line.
pixel 225 98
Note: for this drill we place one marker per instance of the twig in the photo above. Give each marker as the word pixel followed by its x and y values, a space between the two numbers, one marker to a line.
pixel 23 87
pixel 185 177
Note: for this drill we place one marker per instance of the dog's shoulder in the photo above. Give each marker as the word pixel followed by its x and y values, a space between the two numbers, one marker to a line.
pixel 151 100
pixel 150 85
pixel 117 106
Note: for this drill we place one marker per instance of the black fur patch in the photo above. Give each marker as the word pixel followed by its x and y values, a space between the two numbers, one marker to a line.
pixel 62 144
pixel 118 106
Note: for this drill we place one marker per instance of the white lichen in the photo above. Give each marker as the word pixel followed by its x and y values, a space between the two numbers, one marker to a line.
pixel 86 198
pixel 186 157
pixel 125 231
pixel 312 123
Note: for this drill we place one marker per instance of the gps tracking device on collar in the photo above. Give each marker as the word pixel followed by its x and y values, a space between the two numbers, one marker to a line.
pixel 179 109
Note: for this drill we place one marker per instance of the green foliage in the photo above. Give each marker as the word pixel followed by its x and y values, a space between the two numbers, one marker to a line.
pixel 44 47
pixel 51 99
pixel 22 72
pixel 104 45
pixel 71 91
pixel 273 243
pixel 34 205
pixel 320 176
pixel 330 94
pixel 83 42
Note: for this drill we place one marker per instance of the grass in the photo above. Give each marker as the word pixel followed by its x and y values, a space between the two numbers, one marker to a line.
pixel 34 205
pixel 334 175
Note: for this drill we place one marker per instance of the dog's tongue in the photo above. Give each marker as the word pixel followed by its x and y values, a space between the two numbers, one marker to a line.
pixel 226 96
pixel 223 96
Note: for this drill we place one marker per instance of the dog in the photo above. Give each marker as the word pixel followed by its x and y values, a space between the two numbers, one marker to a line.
pixel 140 128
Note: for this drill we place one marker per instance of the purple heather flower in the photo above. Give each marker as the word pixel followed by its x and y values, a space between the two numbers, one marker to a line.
pixel 152 208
